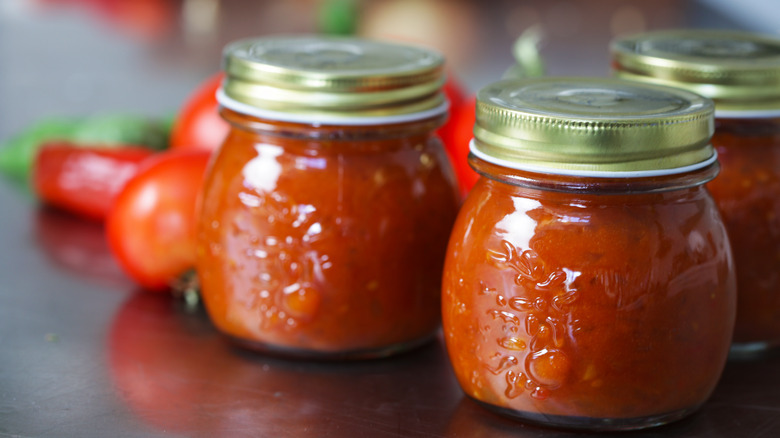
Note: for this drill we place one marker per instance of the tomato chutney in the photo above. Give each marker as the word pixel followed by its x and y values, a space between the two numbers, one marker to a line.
pixel 326 212
pixel 589 282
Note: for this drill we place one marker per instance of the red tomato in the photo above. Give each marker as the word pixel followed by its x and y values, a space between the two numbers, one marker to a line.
pixel 84 180
pixel 456 135
pixel 198 124
pixel 151 226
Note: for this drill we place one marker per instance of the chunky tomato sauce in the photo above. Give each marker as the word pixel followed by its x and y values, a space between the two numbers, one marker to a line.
pixel 748 194
pixel 328 240
pixel 588 309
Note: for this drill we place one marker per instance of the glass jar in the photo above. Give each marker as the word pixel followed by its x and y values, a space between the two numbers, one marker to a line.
pixel 326 212
pixel 741 73
pixel 589 282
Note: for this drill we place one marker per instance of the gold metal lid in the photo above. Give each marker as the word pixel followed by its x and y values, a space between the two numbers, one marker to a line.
pixel 740 71
pixel 592 127
pixel 332 79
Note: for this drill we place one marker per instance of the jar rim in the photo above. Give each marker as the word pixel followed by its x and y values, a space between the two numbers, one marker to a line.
pixel 747 114
pixel 328 118
pixel 590 173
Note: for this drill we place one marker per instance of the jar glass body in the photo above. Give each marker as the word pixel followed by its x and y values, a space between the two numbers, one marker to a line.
pixel 747 192
pixel 588 303
pixel 326 241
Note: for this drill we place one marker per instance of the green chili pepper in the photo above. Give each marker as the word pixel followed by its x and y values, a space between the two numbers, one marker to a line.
pixel 109 130
pixel 114 129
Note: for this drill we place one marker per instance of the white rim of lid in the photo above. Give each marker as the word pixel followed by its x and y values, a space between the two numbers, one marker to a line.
pixel 591 173
pixel 323 119
pixel 746 114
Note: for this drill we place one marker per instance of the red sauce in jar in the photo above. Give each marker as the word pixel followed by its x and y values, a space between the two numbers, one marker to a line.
pixel 740 72
pixel 327 210
pixel 326 241
pixel 589 283
pixel 588 309
pixel 748 194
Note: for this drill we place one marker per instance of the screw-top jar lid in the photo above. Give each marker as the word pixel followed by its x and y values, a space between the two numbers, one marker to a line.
pixel 332 80
pixel 740 71
pixel 592 127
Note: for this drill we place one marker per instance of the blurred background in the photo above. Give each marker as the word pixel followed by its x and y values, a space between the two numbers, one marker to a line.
pixel 79 57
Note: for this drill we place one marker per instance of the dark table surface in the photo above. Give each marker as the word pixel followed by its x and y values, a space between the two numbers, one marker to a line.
pixel 84 352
